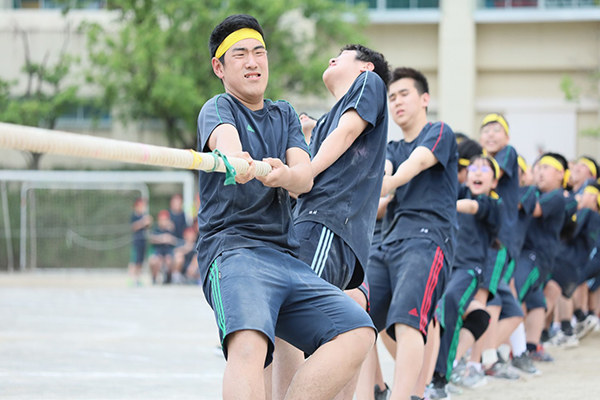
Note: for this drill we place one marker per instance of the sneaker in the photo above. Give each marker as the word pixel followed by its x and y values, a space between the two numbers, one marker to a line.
pixel 469 377
pixel 540 355
pixel 525 364
pixel 566 341
pixel 501 371
pixel 416 398
pixel 586 326
pixel 437 388
pixel 382 394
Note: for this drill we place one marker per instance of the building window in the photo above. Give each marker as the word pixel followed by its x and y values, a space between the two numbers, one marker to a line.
pixel 540 4
pixel 396 4
pixel 80 4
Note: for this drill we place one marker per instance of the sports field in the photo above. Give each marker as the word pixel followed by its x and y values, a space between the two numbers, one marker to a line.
pixel 87 335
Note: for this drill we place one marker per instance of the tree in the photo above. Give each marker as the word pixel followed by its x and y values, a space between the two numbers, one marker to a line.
pixel 157 64
pixel 46 96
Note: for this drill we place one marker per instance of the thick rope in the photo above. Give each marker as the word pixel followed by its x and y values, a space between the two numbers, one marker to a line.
pixel 38 140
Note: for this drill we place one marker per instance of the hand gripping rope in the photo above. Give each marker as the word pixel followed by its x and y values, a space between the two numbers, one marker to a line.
pixel 39 140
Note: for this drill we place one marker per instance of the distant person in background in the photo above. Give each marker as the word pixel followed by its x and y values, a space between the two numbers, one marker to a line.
pixel 163 241
pixel 177 216
pixel 140 222
pixel 186 262
pixel 308 124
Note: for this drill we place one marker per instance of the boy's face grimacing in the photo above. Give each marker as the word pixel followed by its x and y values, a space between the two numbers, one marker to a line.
pixel 480 177
pixel 245 73
pixel 549 178
pixel 405 102
pixel 493 138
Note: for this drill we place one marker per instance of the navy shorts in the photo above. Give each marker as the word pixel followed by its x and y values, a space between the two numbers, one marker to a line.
pixel 567 277
pixel 592 268
pixel 265 290
pixel 365 289
pixel 504 298
pixel 527 274
pixel 495 266
pixel 535 299
pixel 407 278
pixel 138 251
pixel 594 284
pixel 328 255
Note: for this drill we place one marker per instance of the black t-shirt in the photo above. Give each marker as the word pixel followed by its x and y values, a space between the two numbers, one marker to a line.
pixel 508 190
pixel 477 232
pixel 179 222
pixel 140 234
pixel 345 196
pixel 426 206
pixel 543 234
pixel 528 196
pixel 249 215
pixel 575 252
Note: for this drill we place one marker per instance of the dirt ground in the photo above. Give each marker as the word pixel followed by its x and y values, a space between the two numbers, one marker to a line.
pixel 87 335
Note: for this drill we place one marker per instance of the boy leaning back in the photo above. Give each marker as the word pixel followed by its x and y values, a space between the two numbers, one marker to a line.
pixel 247 246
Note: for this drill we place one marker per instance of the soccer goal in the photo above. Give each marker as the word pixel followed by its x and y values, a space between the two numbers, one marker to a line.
pixel 75 219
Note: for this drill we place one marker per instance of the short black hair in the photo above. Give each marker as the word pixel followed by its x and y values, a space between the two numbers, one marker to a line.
pixel 460 137
pixel 467 149
pixel 382 68
pixel 558 157
pixel 228 26
pixel 417 76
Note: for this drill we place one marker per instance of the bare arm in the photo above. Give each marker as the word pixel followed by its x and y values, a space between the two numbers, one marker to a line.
pixel 467 206
pixel 420 159
pixel 296 177
pixel 350 126
pixel 537 211
pixel 226 139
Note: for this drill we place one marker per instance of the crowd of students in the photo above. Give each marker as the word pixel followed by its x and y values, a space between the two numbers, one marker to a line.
pixel 172 244
pixel 457 253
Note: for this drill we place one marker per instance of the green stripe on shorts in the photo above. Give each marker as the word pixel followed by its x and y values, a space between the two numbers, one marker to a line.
pixel 217 301
pixel 459 323
pixel 533 276
pixel 509 271
pixel 498 267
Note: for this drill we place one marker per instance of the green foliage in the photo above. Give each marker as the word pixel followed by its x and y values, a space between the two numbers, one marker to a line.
pixel 46 96
pixel 570 90
pixel 157 63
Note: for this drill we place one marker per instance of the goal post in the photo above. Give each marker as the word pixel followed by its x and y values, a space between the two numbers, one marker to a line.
pixel 95 181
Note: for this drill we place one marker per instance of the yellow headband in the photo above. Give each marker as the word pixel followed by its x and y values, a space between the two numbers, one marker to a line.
pixel 463 162
pixel 234 37
pixel 557 165
pixel 496 118
pixel 496 166
pixel 522 164
pixel 593 190
pixel 590 164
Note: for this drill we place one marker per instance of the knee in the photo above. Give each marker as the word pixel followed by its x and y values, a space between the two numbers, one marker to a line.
pixel 247 346
pixel 477 322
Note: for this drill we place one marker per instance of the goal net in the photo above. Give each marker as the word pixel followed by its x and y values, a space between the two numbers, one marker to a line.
pixel 74 219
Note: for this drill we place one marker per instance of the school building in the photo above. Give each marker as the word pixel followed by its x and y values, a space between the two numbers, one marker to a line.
pixel 480 56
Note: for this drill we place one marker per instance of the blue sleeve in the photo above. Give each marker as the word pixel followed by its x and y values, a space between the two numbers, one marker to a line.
pixel 552 203
pixel 582 221
pixel 463 192
pixel 528 199
pixel 295 135
pixel 215 112
pixel 489 213
pixel 440 139
pixel 507 159
pixel 392 153
pixel 368 97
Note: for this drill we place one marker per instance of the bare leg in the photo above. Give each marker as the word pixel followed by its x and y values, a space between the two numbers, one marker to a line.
pixel 243 377
pixel 287 360
pixel 534 323
pixel 489 338
pixel 552 292
pixel 432 348
pixel 564 309
pixel 506 327
pixel 368 376
pixel 409 359
pixel 580 297
pixel 332 366
pixel 269 382
pixel 389 343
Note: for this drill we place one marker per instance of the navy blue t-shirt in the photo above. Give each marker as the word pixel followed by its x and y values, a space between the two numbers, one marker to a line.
pixel 249 215
pixel 345 196
pixel 179 222
pixel 477 232
pixel 576 251
pixel 508 190
pixel 426 206
pixel 140 234
pixel 543 234
pixel 528 196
